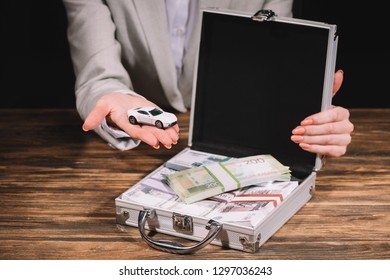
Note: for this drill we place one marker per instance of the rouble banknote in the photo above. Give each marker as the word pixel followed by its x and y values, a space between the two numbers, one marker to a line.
pixel 208 180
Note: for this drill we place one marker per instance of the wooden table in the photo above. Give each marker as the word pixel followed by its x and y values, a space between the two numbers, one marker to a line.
pixel 58 185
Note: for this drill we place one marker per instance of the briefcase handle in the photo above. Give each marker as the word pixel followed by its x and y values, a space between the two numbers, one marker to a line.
pixel 171 246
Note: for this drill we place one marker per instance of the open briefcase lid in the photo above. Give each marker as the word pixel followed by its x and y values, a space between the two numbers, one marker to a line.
pixel 257 78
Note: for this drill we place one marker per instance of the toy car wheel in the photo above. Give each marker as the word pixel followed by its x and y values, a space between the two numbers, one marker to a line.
pixel 132 120
pixel 159 124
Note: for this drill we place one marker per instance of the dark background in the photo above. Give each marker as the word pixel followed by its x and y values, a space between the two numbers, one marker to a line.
pixel 36 70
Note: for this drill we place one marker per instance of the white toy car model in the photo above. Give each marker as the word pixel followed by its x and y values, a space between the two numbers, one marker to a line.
pixel 151 116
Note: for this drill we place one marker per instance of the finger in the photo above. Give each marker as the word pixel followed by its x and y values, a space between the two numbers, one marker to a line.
pixel 332 115
pixel 138 132
pixel 333 139
pixel 173 134
pixel 338 80
pixel 95 117
pixel 145 136
pixel 330 150
pixel 343 127
pixel 176 128
pixel 161 134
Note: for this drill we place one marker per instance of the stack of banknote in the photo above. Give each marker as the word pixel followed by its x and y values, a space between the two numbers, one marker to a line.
pixel 195 184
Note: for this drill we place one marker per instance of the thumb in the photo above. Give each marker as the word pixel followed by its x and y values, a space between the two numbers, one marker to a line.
pixel 95 117
pixel 338 80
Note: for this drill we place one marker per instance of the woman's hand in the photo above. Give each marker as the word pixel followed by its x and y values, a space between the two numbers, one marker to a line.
pixel 327 133
pixel 114 108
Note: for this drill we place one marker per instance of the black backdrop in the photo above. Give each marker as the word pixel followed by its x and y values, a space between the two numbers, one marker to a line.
pixel 35 61
pixel 363 51
pixel 36 69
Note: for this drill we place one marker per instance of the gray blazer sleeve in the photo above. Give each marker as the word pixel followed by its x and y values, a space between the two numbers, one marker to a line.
pixel 95 52
pixel 96 59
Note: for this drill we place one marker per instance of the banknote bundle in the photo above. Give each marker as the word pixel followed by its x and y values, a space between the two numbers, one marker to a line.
pixel 195 184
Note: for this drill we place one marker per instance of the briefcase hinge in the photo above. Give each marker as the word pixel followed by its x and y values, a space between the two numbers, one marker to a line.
pixel 264 15
pixel 182 223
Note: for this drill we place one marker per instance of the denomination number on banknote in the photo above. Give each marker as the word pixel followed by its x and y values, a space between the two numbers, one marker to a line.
pixel 255 160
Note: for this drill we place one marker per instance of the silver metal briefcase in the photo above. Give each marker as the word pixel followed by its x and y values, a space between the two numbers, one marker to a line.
pixel 257 77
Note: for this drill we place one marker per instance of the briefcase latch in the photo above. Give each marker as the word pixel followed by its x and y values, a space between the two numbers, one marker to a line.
pixel 263 15
pixel 182 223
